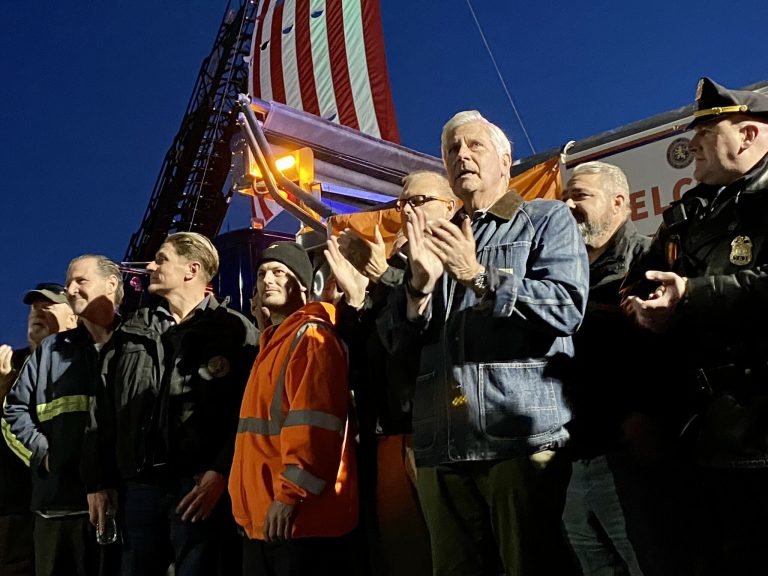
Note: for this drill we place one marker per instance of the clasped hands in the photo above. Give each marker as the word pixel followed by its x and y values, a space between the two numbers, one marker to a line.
pixel 438 246
pixel 656 311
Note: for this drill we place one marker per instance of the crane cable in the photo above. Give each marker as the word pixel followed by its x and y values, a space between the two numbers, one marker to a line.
pixel 501 78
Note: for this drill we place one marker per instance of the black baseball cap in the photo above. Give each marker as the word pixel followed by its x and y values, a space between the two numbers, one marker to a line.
pixel 294 257
pixel 713 101
pixel 52 291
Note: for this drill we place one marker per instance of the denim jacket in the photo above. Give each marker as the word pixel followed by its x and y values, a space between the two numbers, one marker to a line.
pixel 492 369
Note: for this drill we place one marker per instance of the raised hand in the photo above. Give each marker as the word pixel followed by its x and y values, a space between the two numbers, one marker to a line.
pixel 348 279
pixel 455 247
pixel 7 373
pixel 260 312
pixel 368 257
pixel 426 266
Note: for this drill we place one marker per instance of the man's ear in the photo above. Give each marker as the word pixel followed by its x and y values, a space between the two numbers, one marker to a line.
pixel 193 269
pixel 748 132
pixel 619 201
pixel 506 163
pixel 112 282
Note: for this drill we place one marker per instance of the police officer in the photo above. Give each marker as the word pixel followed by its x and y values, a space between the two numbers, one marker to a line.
pixel 705 282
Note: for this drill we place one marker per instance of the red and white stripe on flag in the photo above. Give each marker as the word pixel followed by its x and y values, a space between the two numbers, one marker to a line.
pixel 325 57
pixel 263 210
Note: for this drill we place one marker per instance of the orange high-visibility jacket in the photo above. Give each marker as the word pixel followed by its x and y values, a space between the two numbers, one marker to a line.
pixel 293 441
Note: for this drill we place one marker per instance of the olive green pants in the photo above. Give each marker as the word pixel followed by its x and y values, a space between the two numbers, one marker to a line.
pixel 504 516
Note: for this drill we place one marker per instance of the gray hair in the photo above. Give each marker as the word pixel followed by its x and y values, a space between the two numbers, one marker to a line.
pixel 194 246
pixel 106 268
pixel 612 176
pixel 443 187
pixel 498 138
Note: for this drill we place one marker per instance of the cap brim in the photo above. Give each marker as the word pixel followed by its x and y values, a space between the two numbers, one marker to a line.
pixel 33 295
pixel 699 120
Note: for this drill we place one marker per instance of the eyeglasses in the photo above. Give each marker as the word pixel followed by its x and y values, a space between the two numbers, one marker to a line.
pixel 418 200
pixel 51 287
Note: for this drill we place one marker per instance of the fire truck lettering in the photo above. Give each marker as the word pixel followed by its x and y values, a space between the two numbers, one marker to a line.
pixel 657 207
pixel 637 202
pixel 677 191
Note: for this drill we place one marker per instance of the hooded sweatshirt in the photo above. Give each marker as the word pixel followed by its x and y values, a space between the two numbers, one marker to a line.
pixel 294 442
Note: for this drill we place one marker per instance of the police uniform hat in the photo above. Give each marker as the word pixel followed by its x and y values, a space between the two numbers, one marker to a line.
pixel 293 256
pixel 713 100
pixel 52 291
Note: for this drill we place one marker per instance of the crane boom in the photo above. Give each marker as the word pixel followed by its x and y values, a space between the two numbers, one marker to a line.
pixel 189 193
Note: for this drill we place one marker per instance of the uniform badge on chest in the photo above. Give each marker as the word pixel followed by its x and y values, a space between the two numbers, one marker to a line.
pixel 741 251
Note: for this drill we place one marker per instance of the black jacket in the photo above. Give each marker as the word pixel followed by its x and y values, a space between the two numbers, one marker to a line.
pixel 169 394
pixel 608 381
pixel 383 383
pixel 718 239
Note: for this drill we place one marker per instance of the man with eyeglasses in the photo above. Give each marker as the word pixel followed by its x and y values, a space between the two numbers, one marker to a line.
pixel 492 298
pixel 49 312
pixel 46 413
pixel 426 189
pixel 384 384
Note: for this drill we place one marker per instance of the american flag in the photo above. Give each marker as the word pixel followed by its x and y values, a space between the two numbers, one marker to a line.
pixel 325 57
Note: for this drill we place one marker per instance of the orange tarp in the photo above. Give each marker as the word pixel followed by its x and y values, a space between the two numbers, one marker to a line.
pixel 540 181
pixel 364 223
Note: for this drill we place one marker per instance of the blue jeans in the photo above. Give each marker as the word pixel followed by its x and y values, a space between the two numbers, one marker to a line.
pixel 154 534
pixel 595 522
pixel 624 516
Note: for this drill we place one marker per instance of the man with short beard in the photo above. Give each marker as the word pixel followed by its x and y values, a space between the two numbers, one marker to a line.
pixel 598 196
pixel 614 493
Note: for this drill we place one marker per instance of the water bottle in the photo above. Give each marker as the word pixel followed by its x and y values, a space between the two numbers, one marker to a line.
pixel 107 534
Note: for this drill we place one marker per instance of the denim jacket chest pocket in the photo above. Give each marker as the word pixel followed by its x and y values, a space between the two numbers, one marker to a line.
pixel 506 257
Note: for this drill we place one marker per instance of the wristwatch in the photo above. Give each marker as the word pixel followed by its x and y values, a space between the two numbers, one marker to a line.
pixel 480 283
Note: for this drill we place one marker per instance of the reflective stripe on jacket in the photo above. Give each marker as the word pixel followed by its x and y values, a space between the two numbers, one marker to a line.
pixel 294 441
pixel 48 406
